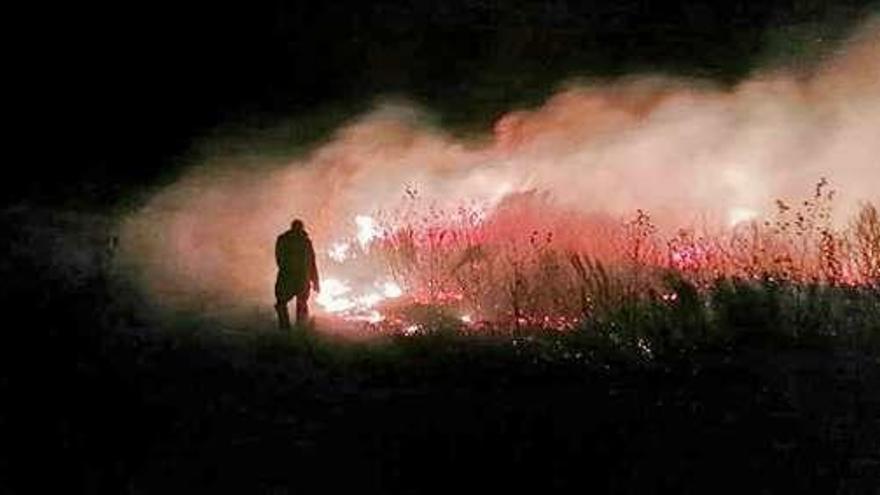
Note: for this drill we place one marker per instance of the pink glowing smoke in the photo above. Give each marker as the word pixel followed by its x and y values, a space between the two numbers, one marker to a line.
pixel 685 150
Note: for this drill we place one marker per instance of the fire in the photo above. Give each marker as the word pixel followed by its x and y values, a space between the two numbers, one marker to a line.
pixel 547 197
pixel 339 251
pixel 515 264
pixel 355 298
pixel 339 297
pixel 391 290
pixel 366 229
pixel 334 296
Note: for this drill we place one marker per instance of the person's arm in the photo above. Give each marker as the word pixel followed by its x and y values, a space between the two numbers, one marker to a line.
pixel 313 269
pixel 279 254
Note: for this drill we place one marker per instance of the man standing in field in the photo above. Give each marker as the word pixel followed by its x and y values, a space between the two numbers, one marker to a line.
pixel 297 274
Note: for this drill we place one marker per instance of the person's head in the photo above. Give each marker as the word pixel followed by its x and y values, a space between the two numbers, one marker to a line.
pixel 297 225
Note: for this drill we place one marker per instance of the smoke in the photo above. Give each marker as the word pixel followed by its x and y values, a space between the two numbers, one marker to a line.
pixel 685 150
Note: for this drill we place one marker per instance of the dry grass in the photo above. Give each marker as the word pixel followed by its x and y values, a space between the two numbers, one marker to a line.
pixel 521 269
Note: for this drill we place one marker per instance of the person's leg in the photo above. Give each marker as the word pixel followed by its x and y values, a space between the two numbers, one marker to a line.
pixel 282 297
pixel 302 308
pixel 283 315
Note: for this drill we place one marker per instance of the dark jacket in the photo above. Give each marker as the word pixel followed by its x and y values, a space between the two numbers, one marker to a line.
pixel 295 257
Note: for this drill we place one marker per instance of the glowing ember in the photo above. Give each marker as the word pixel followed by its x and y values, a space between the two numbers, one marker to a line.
pixel 333 296
pixel 339 251
pixel 371 317
pixel 391 290
pixel 366 229
pixel 339 298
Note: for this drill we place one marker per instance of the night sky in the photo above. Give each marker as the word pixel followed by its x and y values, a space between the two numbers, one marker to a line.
pixel 141 351
pixel 116 95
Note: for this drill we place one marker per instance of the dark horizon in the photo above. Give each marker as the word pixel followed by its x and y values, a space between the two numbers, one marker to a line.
pixel 122 93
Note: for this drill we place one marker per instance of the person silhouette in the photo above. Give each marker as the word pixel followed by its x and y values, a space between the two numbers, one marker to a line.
pixel 297 274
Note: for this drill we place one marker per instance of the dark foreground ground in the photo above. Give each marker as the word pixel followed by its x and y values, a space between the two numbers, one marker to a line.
pixel 97 401
pixel 156 413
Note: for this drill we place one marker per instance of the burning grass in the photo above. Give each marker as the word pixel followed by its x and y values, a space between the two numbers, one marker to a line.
pixel 531 267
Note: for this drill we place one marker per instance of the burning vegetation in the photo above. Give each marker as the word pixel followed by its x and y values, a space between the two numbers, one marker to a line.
pixel 530 266
pixel 641 191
